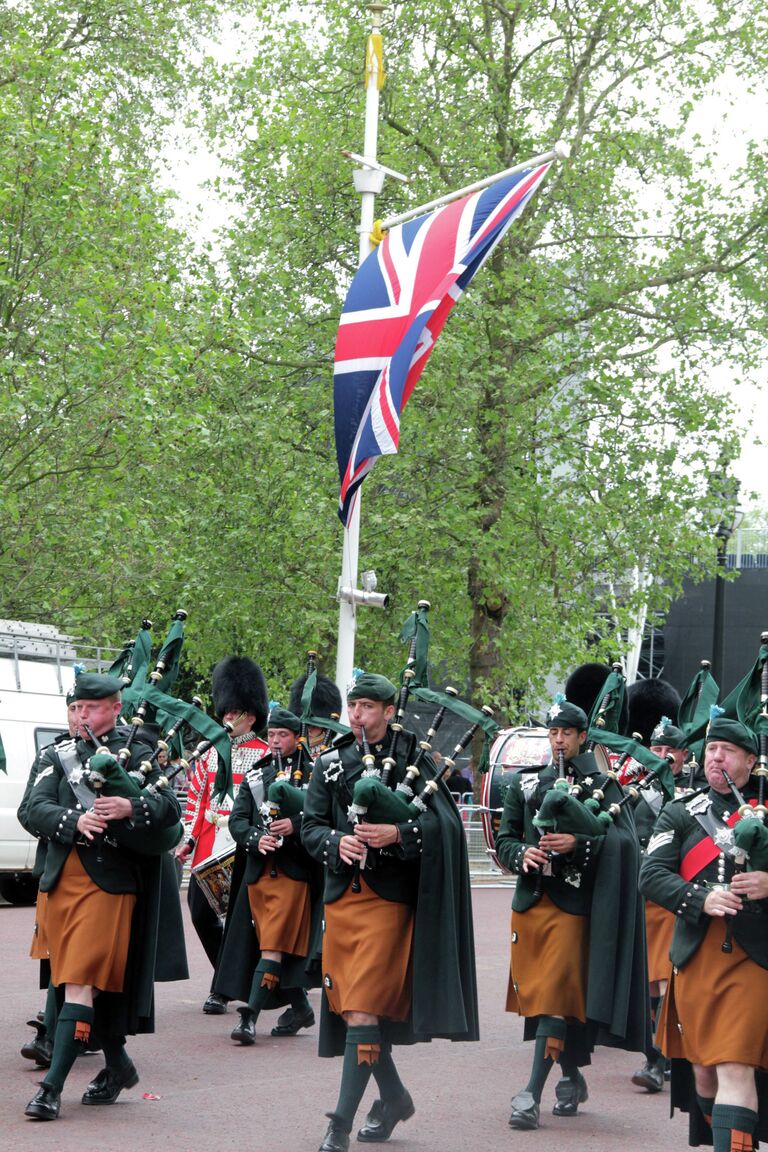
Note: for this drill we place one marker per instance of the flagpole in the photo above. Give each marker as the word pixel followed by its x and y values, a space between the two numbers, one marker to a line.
pixel 560 152
pixel 368 181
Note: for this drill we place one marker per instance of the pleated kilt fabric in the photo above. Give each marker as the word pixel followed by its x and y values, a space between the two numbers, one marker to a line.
pixel 548 962
pixel 281 912
pixel 88 930
pixel 659 927
pixel 367 955
pixel 715 1006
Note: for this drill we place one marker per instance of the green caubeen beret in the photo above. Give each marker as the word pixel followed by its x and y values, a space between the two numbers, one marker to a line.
pixel 563 714
pixel 732 732
pixel 282 718
pixel 370 686
pixel 95 686
pixel 668 735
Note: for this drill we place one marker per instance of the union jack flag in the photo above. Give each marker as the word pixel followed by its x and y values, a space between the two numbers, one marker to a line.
pixel 395 310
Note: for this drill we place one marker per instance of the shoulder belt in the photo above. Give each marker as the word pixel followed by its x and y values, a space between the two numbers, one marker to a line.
pixel 703 853
pixel 72 766
pixel 254 778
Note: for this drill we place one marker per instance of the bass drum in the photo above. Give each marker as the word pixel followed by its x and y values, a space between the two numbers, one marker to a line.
pixel 516 750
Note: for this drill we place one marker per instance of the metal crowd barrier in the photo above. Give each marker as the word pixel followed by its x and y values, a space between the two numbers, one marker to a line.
pixel 483 869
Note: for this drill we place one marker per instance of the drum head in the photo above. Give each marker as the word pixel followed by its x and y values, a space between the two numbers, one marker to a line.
pixel 513 750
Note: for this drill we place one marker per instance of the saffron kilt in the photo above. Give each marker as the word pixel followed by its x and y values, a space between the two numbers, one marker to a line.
pixel 366 961
pixel 88 930
pixel 659 927
pixel 281 913
pixel 39 946
pixel 714 1009
pixel 548 962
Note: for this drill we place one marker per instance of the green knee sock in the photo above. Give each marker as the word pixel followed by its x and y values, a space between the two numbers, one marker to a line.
pixel 569 1067
pixel 115 1055
pixel 50 1014
pixel 548 1028
pixel 732 1128
pixel 706 1103
pixel 385 1074
pixel 72 1031
pixel 299 1000
pixel 360 1054
pixel 266 979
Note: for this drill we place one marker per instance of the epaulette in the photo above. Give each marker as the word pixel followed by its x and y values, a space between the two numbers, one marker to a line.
pixel 342 740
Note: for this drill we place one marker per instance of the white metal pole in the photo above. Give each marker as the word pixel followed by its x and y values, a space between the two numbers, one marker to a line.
pixel 560 151
pixel 368 182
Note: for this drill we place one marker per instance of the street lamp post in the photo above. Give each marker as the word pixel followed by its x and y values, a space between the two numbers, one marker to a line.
pixel 722 536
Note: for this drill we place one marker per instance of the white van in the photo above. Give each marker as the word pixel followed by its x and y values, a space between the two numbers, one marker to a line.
pixel 36 671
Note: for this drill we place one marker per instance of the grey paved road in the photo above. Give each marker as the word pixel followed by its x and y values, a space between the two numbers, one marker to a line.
pixel 214 1095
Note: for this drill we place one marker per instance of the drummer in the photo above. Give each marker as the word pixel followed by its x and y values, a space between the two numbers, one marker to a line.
pixel 563 975
pixel 240 699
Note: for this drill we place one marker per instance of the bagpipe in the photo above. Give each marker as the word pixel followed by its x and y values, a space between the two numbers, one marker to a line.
pixel 137 689
pixel 375 801
pixel 105 775
pixel 284 801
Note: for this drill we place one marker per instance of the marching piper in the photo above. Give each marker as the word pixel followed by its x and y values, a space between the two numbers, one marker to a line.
pixel 564 978
pixel 667 741
pixel 714 1013
pixel 397 960
pixel 280 898
pixel 101 896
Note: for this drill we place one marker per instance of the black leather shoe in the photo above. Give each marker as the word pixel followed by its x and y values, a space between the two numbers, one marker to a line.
pixel 525 1112
pixel 245 1031
pixel 291 1021
pixel 650 1077
pixel 39 1049
pixel 109 1083
pixel 382 1118
pixel 44 1105
pixel 570 1093
pixel 336 1138
pixel 215 1005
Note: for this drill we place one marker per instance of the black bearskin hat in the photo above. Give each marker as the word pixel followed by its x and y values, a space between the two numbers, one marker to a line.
pixel 238 685
pixel 326 698
pixel 649 700
pixel 584 686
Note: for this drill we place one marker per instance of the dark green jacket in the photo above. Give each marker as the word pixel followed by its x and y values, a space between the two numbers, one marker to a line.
pixel 53 811
pixel 247 827
pixel 392 873
pixel 240 949
pixel 429 869
pixel 677 831
pixel 22 813
pixel 570 885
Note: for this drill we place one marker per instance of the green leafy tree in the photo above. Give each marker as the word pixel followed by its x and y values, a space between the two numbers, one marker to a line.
pixel 553 467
